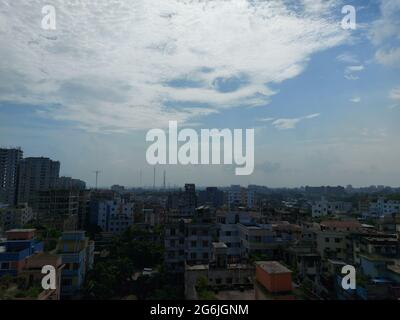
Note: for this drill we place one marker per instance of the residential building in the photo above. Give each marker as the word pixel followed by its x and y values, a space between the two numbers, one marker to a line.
pixel 189 240
pixel 113 216
pixel 153 216
pixel 239 196
pixel 384 207
pixel 325 207
pixel 19 245
pixel 211 196
pixel 219 274
pixel 70 183
pixel 32 273
pixel 77 253
pixel 36 174
pixel 9 162
pixel 16 217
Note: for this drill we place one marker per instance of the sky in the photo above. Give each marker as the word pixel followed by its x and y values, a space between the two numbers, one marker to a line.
pixel 324 101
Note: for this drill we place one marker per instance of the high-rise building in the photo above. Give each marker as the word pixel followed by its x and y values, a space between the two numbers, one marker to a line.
pixel 9 160
pixel 36 174
pixel 211 196
pixel 70 183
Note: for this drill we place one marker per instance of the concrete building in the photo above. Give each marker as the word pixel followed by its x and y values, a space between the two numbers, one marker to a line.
pixel 220 275
pixel 20 244
pixel 153 216
pixel 228 231
pixel 63 207
pixel 256 239
pixel 36 174
pixel 239 196
pixel 183 203
pixel 189 240
pixel 70 183
pixel 332 245
pixel 77 253
pixel 9 162
pixel 113 216
pixel 15 217
pixel 325 207
pixel 384 207
pixel 212 196
pixel 273 281
pixel 32 273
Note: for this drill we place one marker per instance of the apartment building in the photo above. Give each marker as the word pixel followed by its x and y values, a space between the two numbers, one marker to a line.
pixel 228 231
pixel 325 207
pixel 238 196
pixel 70 183
pixel 384 207
pixel 189 241
pixel 77 253
pixel 16 217
pixel 19 245
pixel 36 174
pixel 219 273
pixel 113 216
pixel 256 239
pixel 9 162
pixel 211 196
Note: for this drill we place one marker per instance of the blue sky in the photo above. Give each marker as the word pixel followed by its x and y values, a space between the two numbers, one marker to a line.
pixel 324 102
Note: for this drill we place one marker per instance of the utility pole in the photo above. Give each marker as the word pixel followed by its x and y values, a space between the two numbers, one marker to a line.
pixel 97 172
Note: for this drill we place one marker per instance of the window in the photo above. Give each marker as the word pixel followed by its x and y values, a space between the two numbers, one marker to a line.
pixel 193 243
pixel 5 265
pixel 337 240
pixel 193 255
pixel 205 243
pixel 326 239
pixel 205 255
pixel 218 281
pixel 67 282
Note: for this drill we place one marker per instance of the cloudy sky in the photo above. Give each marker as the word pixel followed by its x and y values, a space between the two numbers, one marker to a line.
pixel 324 101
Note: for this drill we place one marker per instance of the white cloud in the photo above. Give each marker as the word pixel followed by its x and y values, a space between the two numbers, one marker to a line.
pixel 267 119
pixel 110 66
pixel 350 73
pixel 390 57
pixel 355 99
pixel 384 30
pixel 291 123
pixel 395 94
pixel 347 58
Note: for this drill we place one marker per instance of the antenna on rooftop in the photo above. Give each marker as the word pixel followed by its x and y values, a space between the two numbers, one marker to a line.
pixel 97 172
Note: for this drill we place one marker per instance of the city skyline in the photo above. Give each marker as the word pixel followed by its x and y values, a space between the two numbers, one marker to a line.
pixel 324 102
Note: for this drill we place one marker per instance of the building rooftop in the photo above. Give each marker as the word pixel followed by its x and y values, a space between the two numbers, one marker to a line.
pixel 20 230
pixel 219 245
pixel 340 224
pixel 272 267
